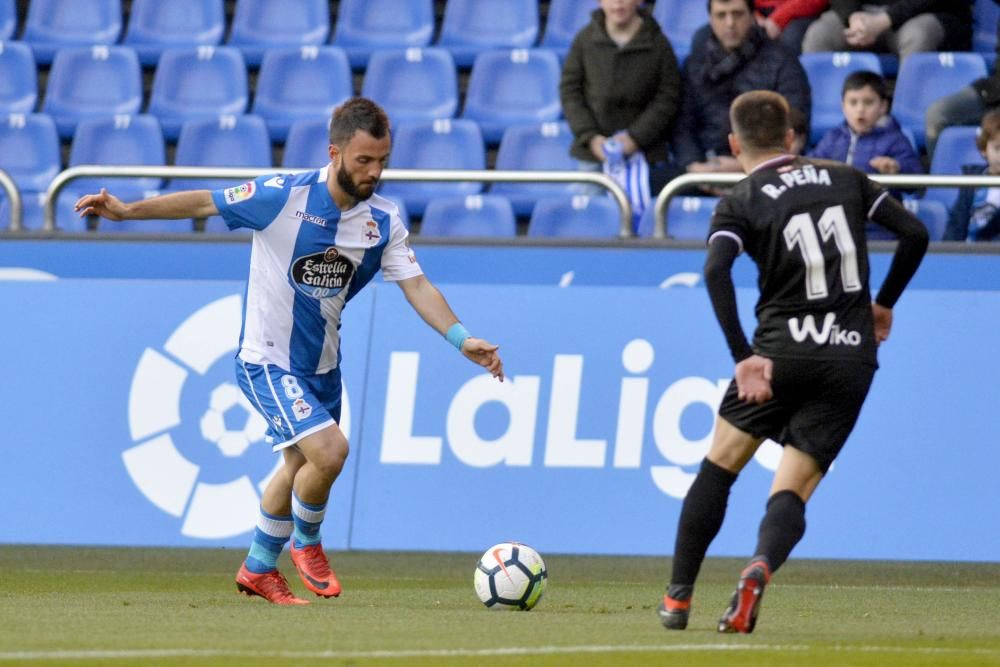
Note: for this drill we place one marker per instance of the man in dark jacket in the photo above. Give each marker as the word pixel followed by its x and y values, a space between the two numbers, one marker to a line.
pixel 621 79
pixel 901 27
pixel 736 58
pixel 965 107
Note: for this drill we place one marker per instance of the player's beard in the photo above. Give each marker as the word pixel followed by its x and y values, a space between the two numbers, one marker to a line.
pixel 348 185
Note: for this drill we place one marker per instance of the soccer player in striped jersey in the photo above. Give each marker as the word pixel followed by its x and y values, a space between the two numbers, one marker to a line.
pixel 803 381
pixel 318 238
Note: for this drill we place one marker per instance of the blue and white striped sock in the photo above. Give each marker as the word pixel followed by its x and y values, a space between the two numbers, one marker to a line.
pixel 268 540
pixel 308 518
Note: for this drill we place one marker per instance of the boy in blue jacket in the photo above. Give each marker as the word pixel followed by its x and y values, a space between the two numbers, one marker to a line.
pixel 870 139
pixel 975 216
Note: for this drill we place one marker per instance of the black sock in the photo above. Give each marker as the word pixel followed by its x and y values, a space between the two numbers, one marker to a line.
pixel 782 527
pixel 701 518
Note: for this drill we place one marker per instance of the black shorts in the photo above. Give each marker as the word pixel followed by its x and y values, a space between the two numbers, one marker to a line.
pixel 814 409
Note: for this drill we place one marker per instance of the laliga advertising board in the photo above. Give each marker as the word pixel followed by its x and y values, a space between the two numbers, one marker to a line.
pixel 125 423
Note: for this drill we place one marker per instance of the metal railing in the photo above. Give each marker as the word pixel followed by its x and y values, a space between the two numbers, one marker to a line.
pixel 411 175
pixel 671 189
pixel 14 197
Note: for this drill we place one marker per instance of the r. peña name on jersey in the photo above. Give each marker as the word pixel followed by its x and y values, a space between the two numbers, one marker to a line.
pixel 805 175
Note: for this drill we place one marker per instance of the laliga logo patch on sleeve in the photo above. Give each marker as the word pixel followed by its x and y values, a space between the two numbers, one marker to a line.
pixel 240 193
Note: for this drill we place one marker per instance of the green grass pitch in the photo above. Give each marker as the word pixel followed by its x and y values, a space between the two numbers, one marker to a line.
pixel 102 606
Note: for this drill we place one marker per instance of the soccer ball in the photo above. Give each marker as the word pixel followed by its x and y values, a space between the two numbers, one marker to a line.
pixel 510 576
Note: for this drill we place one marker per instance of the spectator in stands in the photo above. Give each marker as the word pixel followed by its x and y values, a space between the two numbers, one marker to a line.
pixel 787 20
pixel 869 139
pixel 736 57
pixel 975 216
pixel 966 107
pixel 900 27
pixel 621 80
pixel 800 126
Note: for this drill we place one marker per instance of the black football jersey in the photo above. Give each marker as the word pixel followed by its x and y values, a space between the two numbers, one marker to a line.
pixel 802 221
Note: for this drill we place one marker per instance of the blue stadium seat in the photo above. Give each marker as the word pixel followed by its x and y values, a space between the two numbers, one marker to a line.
pixel 366 26
pixel 299 84
pixel 181 226
pixel 826 73
pixel 932 213
pixel 579 216
pixel 91 82
pixel 413 84
pixel 203 82
pixel 155 25
pixel 926 77
pixel 307 144
pixel 680 20
pixel 57 24
pixel 18 78
pixel 225 141
pixel 29 150
pixel 118 140
pixel 534 147
pixel 472 26
pixel 33 212
pixel 512 87
pixel 469 216
pixel 8 20
pixel 565 19
pixel 687 218
pixel 440 144
pixel 985 15
pixel 267 24
pixel 956 147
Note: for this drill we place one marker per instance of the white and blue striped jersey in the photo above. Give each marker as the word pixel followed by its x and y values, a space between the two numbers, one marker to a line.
pixel 307 261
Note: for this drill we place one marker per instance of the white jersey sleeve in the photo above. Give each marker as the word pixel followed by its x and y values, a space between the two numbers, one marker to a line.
pixel 398 261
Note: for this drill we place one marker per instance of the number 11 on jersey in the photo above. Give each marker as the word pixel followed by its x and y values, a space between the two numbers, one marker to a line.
pixel 801 231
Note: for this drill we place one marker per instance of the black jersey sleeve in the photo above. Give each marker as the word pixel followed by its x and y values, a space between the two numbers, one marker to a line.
pixel 913 240
pixel 722 252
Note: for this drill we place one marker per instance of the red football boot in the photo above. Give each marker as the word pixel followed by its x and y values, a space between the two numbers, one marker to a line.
pixel 314 570
pixel 271 586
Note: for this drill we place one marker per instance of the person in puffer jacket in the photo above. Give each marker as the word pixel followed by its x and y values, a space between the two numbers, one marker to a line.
pixel 869 139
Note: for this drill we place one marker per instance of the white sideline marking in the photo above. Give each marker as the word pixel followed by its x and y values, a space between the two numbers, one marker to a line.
pixel 475 653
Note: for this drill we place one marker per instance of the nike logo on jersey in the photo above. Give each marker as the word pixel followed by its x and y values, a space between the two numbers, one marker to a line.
pixel 831 333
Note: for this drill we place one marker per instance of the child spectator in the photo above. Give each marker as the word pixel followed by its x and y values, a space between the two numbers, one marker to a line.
pixel 870 139
pixel 975 216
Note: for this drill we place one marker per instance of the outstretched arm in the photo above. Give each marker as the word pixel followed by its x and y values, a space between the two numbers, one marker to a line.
pixel 176 205
pixel 432 307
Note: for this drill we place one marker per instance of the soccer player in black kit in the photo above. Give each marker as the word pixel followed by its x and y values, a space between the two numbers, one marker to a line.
pixel 804 379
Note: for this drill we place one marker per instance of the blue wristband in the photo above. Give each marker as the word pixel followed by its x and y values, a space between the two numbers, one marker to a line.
pixel 456 335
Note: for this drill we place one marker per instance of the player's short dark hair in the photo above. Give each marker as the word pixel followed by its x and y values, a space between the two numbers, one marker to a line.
pixel 760 120
pixel 357 113
pixel 860 79
pixel 750 5
pixel 989 129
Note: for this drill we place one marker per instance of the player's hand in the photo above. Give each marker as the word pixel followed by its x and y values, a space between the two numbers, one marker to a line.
pixel 485 354
pixel 883 322
pixel 884 164
pixel 753 379
pixel 103 204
